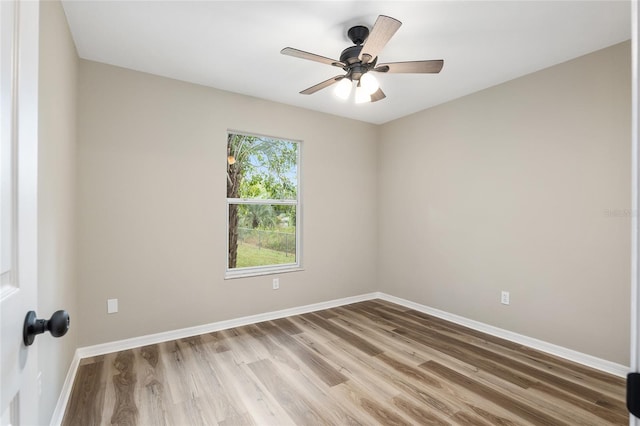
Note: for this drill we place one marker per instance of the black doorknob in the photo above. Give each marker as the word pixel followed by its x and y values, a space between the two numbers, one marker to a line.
pixel 57 325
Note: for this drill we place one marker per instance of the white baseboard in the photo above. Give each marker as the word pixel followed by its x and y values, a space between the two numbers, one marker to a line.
pixel 65 392
pixel 120 345
pixel 560 351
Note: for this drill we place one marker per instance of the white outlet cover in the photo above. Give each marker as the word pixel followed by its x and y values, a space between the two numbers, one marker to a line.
pixel 112 306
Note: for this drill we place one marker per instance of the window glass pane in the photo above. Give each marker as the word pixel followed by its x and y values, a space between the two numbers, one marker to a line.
pixel 265 235
pixel 261 168
pixel 262 195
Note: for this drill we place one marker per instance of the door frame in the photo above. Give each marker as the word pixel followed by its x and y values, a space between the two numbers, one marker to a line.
pixel 635 194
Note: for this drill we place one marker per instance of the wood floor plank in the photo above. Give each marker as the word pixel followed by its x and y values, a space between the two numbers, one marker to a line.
pixel 195 411
pixel 244 345
pixel 557 408
pixel 468 354
pixel 245 389
pixel 466 419
pixel 244 420
pixel 88 390
pixel 324 370
pixel 217 340
pixel 384 338
pixel 286 325
pixel 503 366
pixel 542 365
pixel 179 379
pixel 358 387
pixel 443 325
pixel 326 314
pixel 413 352
pixel 367 363
pixel 615 416
pixel 154 404
pixel 317 393
pixel 222 405
pixel 109 389
pixel 418 412
pixel 294 404
pixel 350 366
pixel 575 367
pixel 276 352
pixel 308 378
pixel 438 396
pixel 362 316
pixel 125 411
pixel 353 339
pixel 302 322
pixel 381 414
pixel 523 411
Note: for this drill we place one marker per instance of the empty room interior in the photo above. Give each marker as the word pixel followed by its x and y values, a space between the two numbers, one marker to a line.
pixel 458 246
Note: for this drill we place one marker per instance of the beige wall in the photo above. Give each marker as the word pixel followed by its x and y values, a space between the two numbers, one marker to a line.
pixel 520 187
pixel 56 198
pixel 505 189
pixel 151 200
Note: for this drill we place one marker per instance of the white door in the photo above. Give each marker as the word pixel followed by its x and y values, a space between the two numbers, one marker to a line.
pixel 18 211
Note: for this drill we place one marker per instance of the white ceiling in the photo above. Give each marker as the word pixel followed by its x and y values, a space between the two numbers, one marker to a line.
pixel 235 45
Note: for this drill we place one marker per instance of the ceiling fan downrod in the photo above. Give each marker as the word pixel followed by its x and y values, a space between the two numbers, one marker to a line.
pixel 358 34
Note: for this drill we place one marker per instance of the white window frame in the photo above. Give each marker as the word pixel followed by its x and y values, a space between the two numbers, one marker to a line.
pixel 269 269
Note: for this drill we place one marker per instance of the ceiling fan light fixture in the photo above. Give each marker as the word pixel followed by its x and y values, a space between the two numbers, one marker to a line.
pixel 343 89
pixel 361 95
pixel 369 83
pixel 361 58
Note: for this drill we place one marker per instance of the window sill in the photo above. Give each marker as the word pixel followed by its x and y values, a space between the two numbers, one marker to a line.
pixel 231 275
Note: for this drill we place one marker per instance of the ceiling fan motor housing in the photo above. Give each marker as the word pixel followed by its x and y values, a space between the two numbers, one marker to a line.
pixel 355 68
pixel 349 56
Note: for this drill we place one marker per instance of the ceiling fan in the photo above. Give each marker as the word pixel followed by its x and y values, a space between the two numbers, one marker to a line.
pixel 358 60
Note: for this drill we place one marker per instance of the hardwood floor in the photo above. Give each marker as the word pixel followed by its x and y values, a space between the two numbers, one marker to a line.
pixel 367 363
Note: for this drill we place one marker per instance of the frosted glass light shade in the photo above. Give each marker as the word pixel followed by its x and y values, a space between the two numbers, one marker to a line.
pixel 343 88
pixel 369 83
pixel 361 95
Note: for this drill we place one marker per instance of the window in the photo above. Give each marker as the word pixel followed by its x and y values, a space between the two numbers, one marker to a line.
pixel 263 205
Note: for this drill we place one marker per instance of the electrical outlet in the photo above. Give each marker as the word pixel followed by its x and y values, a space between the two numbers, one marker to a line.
pixel 504 297
pixel 276 283
pixel 112 306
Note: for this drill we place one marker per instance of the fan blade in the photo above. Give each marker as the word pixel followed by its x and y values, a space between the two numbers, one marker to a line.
pixel 320 86
pixel 378 95
pixel 382 31
pixel 427 67
pixel 311 57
